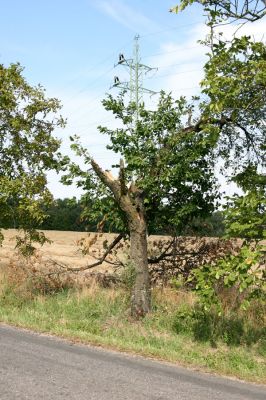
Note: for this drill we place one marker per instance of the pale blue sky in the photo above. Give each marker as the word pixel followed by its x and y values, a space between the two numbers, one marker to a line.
pixel 70 47
pixel 61 40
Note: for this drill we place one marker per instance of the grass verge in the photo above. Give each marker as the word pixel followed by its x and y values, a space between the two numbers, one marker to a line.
pixel 175 331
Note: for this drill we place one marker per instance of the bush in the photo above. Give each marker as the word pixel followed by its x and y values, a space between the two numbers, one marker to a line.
pixel 238 278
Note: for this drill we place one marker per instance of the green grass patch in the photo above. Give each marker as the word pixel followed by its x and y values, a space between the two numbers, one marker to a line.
pixel 177 330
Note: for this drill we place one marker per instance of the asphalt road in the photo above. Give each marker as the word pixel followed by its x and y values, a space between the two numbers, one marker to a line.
pixel 34 366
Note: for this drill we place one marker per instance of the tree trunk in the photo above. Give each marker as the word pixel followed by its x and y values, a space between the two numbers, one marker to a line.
pixel 141 293
pixel 131 203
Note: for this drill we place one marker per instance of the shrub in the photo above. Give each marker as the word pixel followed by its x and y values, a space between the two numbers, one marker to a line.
pixel 236 278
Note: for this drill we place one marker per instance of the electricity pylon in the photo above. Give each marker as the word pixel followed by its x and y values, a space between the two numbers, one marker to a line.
pixel 136 72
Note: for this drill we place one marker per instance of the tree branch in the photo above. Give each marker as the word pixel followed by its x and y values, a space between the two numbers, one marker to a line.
pixel 122 178
pixel 123 199
pixel 199 125
pixel 89 266
pixel 107 178
pixel 162 255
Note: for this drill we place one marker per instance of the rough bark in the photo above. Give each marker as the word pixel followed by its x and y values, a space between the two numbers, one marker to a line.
pixel 131 203
pixel 141 296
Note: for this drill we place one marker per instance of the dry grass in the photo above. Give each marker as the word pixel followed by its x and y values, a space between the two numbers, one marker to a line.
pixel 63 248
pixel 71 248
pixel 172 298
pixel 2 280
pixel 175 331
pixel 101 316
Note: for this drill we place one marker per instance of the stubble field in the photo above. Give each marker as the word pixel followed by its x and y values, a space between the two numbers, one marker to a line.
pixel 177 330
pixel 64 247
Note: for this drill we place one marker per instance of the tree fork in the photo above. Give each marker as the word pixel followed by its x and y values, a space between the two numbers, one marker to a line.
pixel 131 203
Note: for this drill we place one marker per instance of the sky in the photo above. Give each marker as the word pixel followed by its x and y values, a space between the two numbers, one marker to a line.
pixel 71 48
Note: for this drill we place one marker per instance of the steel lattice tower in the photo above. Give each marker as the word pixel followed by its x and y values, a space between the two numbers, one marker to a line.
pixel 137 70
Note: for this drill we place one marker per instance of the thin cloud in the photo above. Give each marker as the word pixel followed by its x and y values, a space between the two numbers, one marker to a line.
pixel 180 64
pixel 128 16
pixel 184 60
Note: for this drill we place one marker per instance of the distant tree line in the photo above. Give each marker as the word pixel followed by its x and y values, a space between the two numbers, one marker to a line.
pixel 67 215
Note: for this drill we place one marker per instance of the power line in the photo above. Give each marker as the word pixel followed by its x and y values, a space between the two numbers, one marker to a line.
pixel 81 116
pixel 170 29
pixel 174 73
pixel 157 77
pixel 101 95
pixel 135 86
pixel 89 85
pixel 97 144
pixel 170 52
pixel 148 78
pixel 95 123
pixel 102 61
pixel 175 65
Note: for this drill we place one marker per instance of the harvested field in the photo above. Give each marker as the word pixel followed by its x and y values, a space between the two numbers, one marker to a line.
pixel 64 247
pixel 68 248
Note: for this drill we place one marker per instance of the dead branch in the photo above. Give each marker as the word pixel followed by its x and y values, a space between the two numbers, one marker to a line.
pixel 107 178
pixel 162 255
pixel 65 268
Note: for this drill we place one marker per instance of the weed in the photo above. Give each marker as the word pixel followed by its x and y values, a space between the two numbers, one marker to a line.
pixel 177 330
pixel 31 276
pixel 233 329
pixel 127 275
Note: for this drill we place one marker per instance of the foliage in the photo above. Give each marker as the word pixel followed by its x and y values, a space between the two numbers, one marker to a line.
pixel 242 274
pixel 245 215
pixel 177 258
pixel 171 162
pixel 25 242
pixel 166 177
pixel 70 214
pixel 65 215
pixel 211 226
pixel 127 275
pixel 224 10
pixel 27 149
pixel 235 83
pixel 172 169
pixel 170 259
pixel 235 87
pixel 27 277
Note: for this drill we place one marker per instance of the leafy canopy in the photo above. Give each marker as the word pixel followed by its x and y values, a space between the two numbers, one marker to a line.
pixel 169 152
pixel 235 86
pixel 245 215
pixel 224 10
pixel 169 165
pixel 27 149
